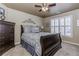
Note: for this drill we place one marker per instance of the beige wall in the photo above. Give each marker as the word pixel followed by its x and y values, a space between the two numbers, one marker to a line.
pixel 17 17
pixel 75 28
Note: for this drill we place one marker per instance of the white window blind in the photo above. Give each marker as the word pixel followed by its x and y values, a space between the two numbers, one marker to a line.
pixel 62 25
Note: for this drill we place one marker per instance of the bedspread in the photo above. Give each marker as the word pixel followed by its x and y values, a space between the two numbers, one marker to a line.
pixel 34 40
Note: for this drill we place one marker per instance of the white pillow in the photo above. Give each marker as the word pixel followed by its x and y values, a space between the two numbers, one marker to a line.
pixel 27 29
pixel 35 29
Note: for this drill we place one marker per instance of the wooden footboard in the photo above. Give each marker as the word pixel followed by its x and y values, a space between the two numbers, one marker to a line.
pixel 50 44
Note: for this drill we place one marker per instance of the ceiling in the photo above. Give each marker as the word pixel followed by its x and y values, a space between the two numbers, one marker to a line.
pixel 29 8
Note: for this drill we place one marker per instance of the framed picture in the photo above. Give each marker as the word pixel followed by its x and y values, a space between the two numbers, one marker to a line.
pixel 2 14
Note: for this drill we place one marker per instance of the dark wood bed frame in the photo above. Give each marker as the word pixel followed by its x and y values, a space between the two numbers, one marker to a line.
pixel 50 44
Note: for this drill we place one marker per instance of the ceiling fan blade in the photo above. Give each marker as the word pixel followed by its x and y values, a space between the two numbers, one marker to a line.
pixel 40 10
pixel 38 6
pixel 54 4
pixel 43 4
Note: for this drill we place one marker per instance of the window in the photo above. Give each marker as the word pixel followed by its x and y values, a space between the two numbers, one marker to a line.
pixel 62 25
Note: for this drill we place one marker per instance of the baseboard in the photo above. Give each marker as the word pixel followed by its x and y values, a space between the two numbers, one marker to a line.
pixel 17 43
pixel 71 43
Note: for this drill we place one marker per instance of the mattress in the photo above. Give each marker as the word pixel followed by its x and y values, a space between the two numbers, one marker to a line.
pixel 34 40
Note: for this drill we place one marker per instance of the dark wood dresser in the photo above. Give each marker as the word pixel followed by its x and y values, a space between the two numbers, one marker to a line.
pixel 6 36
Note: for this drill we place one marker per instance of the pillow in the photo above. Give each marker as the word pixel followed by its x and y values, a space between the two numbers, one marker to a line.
pixel 27 29
pixel 35 29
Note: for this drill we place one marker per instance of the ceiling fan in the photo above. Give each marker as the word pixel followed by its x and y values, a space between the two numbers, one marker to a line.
pixel 45 7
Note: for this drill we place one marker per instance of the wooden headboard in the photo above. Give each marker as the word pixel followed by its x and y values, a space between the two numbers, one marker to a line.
pixel 21 29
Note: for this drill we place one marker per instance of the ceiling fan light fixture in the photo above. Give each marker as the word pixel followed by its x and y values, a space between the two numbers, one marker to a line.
pixel 44 9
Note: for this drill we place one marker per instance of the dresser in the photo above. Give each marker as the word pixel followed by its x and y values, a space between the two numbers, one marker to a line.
pixel 6 36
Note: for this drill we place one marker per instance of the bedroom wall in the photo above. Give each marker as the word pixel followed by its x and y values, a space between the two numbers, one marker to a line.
pixel 75 34
pixel 18 17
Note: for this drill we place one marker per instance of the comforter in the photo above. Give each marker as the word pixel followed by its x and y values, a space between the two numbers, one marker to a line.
pixel 34 40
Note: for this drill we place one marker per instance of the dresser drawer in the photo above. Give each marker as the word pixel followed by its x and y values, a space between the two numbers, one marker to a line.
pixel 2 38
pixel 2 44
pixel 1 48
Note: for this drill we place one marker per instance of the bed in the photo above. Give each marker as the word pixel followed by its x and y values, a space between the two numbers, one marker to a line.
pixel 40 43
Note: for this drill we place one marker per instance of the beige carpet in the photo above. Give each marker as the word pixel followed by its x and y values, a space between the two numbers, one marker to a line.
pixel 66 50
